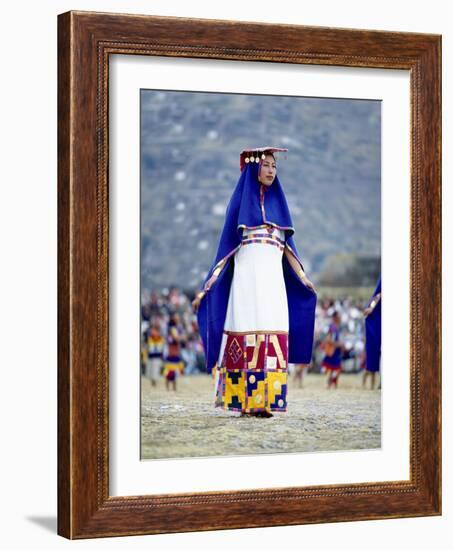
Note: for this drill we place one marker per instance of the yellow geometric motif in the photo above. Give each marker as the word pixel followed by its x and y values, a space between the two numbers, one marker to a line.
pixel 257 399
pixel 235 392
pixel 275 381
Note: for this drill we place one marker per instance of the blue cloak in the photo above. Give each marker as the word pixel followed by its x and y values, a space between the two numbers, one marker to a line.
pixel 373 335
pixel 254 205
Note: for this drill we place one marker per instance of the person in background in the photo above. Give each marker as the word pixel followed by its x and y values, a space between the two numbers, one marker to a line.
pixel 155 345
pixel 333 351
pixel 299 373
pixel 372 314
pixel 143 356
pixel 173 365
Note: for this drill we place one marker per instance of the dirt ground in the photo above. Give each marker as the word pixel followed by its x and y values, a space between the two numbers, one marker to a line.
pixel 186 424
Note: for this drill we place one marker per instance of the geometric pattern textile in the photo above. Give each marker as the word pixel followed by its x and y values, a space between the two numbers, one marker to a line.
pixel 253 372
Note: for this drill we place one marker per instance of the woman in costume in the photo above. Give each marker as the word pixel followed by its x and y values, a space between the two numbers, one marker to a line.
pixel 257 308
pixel 156 344
pixel 333 349
pixel 372 314
pixel 173 365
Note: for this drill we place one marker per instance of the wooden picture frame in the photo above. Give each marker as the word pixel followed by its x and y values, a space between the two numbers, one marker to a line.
pixel 85 42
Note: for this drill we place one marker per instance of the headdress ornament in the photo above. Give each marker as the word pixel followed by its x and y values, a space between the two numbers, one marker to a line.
pixel 257 154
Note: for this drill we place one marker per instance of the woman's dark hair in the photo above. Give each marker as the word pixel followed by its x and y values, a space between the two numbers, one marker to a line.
pixel 271 154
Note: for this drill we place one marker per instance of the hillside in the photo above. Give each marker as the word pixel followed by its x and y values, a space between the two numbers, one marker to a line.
pixel 190 165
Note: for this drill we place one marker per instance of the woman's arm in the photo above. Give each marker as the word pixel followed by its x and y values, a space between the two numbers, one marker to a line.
pixel 215 274
pixel 373 304
pixel 294 263
pixel 329 340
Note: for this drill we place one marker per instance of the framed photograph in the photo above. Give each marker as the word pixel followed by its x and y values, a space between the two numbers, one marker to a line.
pixel 232 196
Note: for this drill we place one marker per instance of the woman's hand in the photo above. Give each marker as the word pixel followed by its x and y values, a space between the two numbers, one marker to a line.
pixel 209 283
pixel 196 303
pixel 370 308
pixel 367 311
pixel 307 282
pixel 297 266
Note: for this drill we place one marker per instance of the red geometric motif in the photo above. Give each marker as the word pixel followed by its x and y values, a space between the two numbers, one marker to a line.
pixel 234 350
pixel 282 353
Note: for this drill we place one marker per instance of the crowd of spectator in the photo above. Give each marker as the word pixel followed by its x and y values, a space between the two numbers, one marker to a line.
pixel 173 307
pixel 352 331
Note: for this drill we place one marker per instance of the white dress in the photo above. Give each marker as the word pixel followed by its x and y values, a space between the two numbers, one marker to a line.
pixel 257 298
pixel 256 325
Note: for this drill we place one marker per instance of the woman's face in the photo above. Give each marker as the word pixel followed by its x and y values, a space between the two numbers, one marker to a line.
pixel 268 170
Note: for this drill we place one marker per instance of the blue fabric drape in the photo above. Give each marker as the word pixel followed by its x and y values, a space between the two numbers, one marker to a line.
pixel 373 335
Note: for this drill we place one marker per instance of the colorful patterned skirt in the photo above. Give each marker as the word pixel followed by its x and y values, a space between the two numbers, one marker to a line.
pixel 252 375
pixel 172 367
pixel 252 368
pixel 333 362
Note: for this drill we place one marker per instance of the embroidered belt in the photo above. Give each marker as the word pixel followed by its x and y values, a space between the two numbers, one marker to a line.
pixel 262 238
